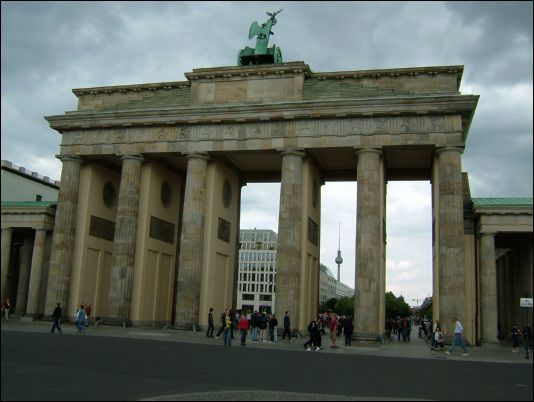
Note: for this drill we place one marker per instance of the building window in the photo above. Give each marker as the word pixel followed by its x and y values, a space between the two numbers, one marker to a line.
pixel 248 296
pixel 38 197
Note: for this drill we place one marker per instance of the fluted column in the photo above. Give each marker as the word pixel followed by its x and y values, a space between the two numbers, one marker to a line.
pixel 367 295
pixel 191 243
pixel 452 287
pixel 123 258
pixel 36 274
pixel 7 235
pixel 64 231
pixel 24 276
pixel 289 246
pixel 488 288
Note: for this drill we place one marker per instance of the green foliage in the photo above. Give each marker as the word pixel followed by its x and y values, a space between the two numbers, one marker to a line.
pixel 342 306
pixel 426 308
pixel 396 306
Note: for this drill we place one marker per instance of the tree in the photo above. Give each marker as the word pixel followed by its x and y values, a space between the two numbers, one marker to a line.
pixel 426 308
pixel 342 306
pixel 396 306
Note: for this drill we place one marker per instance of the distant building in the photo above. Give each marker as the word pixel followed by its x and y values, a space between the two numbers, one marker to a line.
pixel 330 288
pixel 21 184
pixel 28 212
pixel 257 270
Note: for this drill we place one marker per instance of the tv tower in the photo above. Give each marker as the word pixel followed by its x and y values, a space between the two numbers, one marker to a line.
pixel 339 260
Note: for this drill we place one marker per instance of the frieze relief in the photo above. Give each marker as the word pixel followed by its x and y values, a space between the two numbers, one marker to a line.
pixel 341 127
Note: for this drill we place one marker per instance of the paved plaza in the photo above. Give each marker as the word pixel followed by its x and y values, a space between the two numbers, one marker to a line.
pixel 417 348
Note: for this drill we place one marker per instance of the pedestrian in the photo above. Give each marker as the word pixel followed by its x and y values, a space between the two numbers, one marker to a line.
pixel 287 327
pixel 254 322
pixel 88 310
pixel 80 319
pixel 227 329
pixel 334 323
pixel 273 324
pixel 312 329
pixel 56 315
pixel 516 333
pixel 458 331
pixel 233 318
pixel 438 340
pixel 6 308
pixel 222 323
pixel 243 327
pixel 264 323
pixel 211 327
pixel 348 330
pixel 316 334
pixel 527 337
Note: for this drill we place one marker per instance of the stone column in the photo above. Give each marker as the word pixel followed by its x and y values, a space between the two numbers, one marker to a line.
pixel 24 276
pixel 191 243
pixel 123 258
pixel 7 235
pixel 488 288
pixel 367 295
pixel 452 286
pixel 64 232
pixel 289 237
pixel 36 274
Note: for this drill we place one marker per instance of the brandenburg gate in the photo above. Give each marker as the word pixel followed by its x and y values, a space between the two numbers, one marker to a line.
pixel 147 222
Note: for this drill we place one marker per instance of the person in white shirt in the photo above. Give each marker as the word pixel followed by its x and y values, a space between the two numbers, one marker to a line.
pixel 458 330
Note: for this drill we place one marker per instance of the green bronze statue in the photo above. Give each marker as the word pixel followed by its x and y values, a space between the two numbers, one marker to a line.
pixel 261 54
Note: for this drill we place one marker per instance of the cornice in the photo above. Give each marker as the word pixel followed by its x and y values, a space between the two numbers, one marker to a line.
pixel 282 111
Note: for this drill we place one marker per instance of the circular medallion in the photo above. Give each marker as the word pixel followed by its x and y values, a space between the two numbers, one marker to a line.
pixel 166 194
pixel 109 194
pixel 315 194
pixel 227 193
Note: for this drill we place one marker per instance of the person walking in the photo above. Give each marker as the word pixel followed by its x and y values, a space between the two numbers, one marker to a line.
pixel 211 327
pixel 56 315
pixel 348 330
pixel 243 327
pixel 516 333
pixel 222 323
pixel 273 324
pixel 287 327
pixel 527 337
pixel 458 331
pixel 334 323
pixel 80 319
pixel 6 308
pixel 264 323
pixel 227 329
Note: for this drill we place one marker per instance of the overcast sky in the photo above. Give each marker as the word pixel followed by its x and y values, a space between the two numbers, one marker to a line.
pixel 49 48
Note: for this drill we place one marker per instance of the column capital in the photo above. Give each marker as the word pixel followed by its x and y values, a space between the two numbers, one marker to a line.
pixel 197 155
pixel 440 150
pixel 292 151
pixel 8 229
pixel 137 157
pixel 487 233
pixel 70 158
pixel 359 151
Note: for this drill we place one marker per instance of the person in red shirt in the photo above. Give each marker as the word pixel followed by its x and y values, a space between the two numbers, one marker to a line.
pixel 243 327
pixel 334 323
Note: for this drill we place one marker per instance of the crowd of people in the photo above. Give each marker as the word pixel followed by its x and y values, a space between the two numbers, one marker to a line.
pixel 263 327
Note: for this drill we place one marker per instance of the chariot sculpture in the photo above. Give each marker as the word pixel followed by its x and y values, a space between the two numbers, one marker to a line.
pixel 261 54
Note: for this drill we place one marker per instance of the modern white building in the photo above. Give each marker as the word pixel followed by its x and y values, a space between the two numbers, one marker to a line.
pixel 257 270
pixel 330 287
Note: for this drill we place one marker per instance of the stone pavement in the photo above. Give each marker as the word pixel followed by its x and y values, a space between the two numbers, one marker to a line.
pixel 416 348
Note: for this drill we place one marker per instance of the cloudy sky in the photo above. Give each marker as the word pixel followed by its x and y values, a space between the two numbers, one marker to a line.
pixel 49 48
